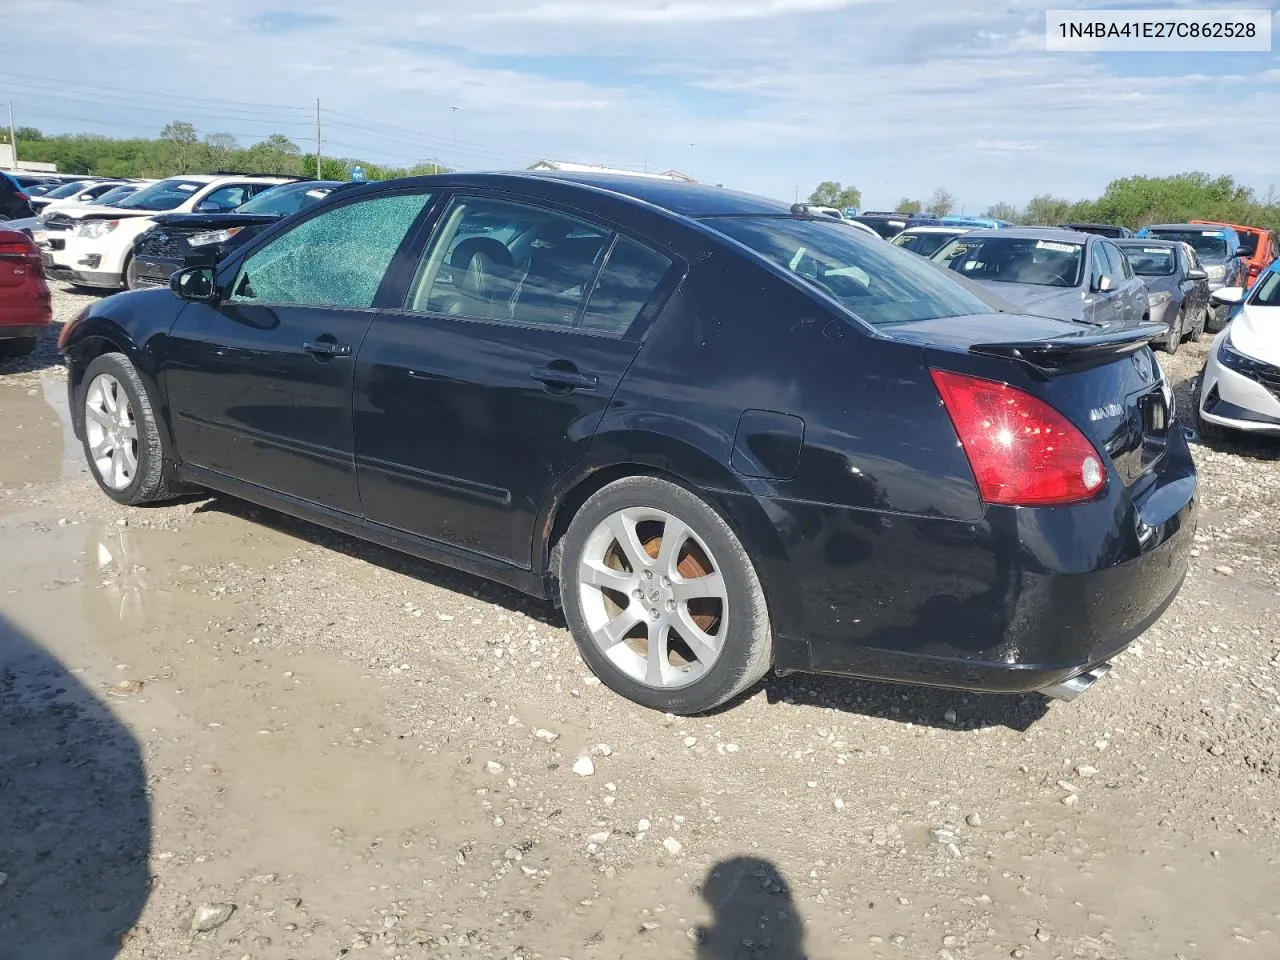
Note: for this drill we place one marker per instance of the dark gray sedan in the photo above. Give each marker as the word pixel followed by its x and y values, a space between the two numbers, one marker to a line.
pixel 1051 272
pixel 1177 286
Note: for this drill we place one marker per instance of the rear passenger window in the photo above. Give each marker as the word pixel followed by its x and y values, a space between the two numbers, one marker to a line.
pixel 629 280
pixel 511 262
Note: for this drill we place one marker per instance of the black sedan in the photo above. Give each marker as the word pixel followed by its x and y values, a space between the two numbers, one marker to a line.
pixel 190 239
pixel 723 433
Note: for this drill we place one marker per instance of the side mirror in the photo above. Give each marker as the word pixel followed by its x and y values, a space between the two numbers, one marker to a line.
pixel 194 283
pixel 1197 273
pixel 1106 284
pixel 1229 296
pixel 210 206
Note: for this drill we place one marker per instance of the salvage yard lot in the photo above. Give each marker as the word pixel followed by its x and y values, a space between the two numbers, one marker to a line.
pixel 209 706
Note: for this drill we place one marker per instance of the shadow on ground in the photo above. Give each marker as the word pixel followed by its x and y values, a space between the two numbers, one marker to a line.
pixel 753 913
pixel 75 825
pixel 906 704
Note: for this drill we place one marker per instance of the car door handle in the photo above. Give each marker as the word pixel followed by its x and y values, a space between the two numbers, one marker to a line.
pixel 565 378
pixel 327 348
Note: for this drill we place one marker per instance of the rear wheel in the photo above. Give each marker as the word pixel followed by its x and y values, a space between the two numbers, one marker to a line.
pixel 662 599
pixel 121 434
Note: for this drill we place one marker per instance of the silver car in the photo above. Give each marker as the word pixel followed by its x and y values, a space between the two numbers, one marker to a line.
pixel 1051 272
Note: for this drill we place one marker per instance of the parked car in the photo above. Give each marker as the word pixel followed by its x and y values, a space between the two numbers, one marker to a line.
pixel 1218 249
pixel 1239 388
pixel 99 247
pixel 926 241
pixel 90 194
pixel 51 228
pixel 179 239
pixel 724 435
pixel 14 203
pixel 35 185
pixel 25 306
pixel 889 225
pixel 1258 246
pixel 1177 287
pixel 1053 273
pixel 977 223
pixel 1113 230
pixel 64 191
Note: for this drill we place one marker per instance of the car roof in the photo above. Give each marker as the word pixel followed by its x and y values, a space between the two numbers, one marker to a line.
pixel 942 228
pixel 1036 233
pixel 692 200
pixel 1191 227
pixel 1145 242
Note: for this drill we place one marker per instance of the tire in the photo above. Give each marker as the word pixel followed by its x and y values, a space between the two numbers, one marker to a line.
pixel 1197 329
pixel 17 346
pixel 729 643
pixel 134 434
pixel 1208 432
pixel 1177 330
pixel 1215 320
pixel 131 276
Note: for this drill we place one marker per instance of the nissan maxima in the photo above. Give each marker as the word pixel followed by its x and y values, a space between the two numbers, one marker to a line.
pixel 722 433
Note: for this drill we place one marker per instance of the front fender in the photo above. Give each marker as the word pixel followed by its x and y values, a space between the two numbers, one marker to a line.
pixel 133 323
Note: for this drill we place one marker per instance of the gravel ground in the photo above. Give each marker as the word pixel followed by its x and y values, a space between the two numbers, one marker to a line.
pixel 226 733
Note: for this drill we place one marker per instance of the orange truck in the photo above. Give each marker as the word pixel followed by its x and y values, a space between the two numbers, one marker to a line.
pixel 1258 245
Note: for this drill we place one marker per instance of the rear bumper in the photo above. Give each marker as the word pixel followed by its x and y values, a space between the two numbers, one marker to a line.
pixel 1016 602
pixel 20 331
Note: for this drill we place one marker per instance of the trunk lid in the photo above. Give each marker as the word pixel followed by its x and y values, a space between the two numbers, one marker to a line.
pixel 1108 384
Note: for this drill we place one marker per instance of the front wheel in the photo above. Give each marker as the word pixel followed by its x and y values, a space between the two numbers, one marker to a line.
pixel 131 280
pixel 1208 432
pixel 121 435
pixel 662 599
pixel 1197 328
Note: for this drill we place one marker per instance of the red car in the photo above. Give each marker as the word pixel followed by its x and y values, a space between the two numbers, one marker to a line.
pixel 25 306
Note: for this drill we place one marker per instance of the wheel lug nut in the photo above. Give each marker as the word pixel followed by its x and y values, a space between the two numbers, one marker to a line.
pixel 666 581
pixel 648 574
pixel 671 606
pixel 653 614
pixel 637 594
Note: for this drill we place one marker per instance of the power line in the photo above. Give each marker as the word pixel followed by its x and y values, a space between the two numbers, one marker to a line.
pixel 161 110
pixel 151 94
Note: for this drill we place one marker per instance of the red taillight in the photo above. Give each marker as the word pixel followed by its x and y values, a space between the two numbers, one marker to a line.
pixel 1022 451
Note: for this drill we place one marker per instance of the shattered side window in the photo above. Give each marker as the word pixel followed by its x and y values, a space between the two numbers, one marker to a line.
pixel 335 259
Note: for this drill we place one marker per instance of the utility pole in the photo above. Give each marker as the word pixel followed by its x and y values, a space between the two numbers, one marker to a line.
pixel 455 138
pixel 13 137
pixel 318 177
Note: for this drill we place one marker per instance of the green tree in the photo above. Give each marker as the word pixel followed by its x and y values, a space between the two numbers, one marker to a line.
pixel 941 203
pixel 1046 210
pixel 1003 211
pixel 831 193
pixel 181 146
pixel 909 206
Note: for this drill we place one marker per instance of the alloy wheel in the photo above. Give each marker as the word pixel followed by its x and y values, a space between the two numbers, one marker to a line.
pixel 112 431
pixel 654 597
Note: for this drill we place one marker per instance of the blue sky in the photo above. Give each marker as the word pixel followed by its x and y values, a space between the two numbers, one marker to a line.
pixel 896 96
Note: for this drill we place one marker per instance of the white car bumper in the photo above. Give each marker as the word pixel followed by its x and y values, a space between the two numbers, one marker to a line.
pixel 1247 399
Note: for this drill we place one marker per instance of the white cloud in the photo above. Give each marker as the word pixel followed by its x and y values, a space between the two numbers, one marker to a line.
pixel 897 96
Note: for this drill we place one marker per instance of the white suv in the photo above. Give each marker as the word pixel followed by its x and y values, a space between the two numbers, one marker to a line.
pixel 98 250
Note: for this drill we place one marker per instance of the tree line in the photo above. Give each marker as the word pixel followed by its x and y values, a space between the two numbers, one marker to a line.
pixel 1132 201
pixel 181 149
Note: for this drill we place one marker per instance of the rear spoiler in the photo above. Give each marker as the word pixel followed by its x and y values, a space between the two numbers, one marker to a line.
pixel 1067 354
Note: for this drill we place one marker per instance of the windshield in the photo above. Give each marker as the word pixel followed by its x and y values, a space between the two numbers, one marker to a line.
pixel 1045 263
pixel 115 195
pixel 925 244
pixel 885 227
pixel 1150 261
pixel 1208 244
pixel 66 190
pixel 164 195
pixel 872 280
pixel 1267 293
pixel 285 200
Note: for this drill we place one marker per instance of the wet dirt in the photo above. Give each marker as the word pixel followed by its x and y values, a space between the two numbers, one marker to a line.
pixel 208 703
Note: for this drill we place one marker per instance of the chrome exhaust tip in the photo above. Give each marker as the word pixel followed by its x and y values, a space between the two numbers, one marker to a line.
pixel 1070 688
